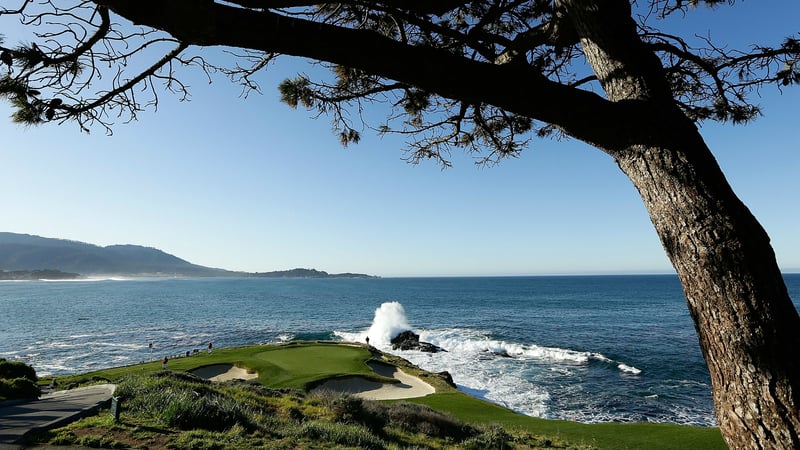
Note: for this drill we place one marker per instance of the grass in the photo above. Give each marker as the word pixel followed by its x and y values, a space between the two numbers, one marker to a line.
pixel 255 411
pixel 294 365
pixel 603 435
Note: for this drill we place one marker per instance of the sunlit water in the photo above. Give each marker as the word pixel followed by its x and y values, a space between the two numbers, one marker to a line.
pixel 594 348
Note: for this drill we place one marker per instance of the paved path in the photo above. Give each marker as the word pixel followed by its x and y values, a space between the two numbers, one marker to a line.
pixel 51 411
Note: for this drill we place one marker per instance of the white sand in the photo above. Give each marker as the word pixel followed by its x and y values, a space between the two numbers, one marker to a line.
pixel 408 387
pixel 223 372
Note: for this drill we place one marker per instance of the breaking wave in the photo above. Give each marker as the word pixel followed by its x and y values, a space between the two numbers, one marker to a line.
pixel 512 374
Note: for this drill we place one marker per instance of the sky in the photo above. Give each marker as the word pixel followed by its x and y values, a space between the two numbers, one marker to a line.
pixel 250 184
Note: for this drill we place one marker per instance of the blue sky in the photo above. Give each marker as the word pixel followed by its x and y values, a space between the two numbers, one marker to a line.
pixel 250 184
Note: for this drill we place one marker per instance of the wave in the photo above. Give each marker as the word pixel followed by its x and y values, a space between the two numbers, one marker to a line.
pixel 390 320
pixel 87 279
pixel 512 374
pixel 629 369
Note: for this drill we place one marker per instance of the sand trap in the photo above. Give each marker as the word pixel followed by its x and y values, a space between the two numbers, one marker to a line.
pixel 408 386
pixel 223 372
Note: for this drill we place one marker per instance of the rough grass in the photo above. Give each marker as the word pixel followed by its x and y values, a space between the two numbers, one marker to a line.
pixel 602 435
pixel 192 413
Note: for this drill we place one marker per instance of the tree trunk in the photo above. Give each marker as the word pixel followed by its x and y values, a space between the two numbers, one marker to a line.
pixel 745 320
pixel 748 328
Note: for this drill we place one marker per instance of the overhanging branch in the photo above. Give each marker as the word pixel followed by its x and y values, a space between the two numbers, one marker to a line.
pixel 436 7
pixel 430 69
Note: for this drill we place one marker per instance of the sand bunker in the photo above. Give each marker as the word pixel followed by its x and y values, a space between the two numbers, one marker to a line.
pixel 408 386
pixel 223 372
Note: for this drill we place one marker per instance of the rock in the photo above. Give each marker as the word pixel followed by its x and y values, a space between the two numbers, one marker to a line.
pixel 428 347
pixel 408 340
pixel 445 375
pixel 503 353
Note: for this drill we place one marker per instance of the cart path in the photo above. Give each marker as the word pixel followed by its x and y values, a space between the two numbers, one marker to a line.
pixel 18 419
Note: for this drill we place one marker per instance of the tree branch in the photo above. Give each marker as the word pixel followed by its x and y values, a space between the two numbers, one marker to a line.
pixel 429 69
pixel 436 7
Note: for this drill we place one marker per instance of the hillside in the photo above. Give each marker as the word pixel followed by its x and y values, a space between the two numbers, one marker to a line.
pixel 23 256
pixel 23 252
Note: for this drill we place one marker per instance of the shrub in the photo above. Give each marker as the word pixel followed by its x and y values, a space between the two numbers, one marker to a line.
pixel 64 437
pixel 16 369
pixel 420 418
pixel 19 388
pixel 209 412
pixel 349 409
pixel 342 434
pixel 183 402
pixel 494 437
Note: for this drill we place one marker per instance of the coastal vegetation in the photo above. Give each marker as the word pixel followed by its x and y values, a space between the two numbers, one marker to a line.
pixel 40 274
pixel 17 380
pixel 281 409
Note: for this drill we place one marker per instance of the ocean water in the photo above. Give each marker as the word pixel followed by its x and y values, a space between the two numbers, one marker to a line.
pixel 585 348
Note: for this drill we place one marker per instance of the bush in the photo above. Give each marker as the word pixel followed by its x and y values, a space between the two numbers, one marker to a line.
pixel 16 369
pixel 19 388
pixel 350 409
pixel 64 437
pixel 183 402
pixel 494 437
pixel 420 418
pixel 342 434
pixel 212 412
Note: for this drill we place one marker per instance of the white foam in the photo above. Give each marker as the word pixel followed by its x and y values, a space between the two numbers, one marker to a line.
pixel 87 279
pixel 390 320
pixel 491 369
pixel 284 337
pixel 629 369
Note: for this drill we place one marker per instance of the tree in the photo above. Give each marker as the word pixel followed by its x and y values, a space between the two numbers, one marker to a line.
pixel 486 76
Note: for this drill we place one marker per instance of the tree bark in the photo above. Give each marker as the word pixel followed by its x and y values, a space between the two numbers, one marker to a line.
pixel 745 320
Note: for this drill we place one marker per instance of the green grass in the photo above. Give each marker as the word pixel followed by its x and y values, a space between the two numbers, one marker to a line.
pixel 302 365
pixel 297 365
pixel 603 436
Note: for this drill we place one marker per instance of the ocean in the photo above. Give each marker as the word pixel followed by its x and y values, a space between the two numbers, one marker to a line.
pixel 584 348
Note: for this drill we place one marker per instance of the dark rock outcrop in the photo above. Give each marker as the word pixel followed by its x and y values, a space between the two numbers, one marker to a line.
pixel 408 340
pixel 445 375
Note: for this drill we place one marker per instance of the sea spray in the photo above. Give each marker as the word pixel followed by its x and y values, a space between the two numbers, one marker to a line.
pixel 511 374
pixel 390 320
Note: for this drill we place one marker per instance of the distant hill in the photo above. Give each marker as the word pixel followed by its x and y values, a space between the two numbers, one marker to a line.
pixel 308 273
pixel 24 253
